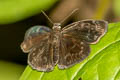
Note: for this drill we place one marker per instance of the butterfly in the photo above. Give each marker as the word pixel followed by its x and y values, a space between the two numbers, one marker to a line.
pixel 63 47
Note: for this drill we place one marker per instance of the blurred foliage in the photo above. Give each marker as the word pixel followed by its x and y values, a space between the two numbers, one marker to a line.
pixel 102 9
pixel 116 7
pixel 10 71
pixel 16 10
pixel 102 64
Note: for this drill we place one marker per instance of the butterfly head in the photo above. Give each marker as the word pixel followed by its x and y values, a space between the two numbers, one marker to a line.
pixel 57 26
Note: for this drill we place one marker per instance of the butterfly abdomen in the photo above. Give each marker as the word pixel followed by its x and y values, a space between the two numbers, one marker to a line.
pixel 56 44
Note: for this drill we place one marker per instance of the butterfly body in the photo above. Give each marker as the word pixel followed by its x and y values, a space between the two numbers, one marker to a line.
pixel 56 41
pixel 64 47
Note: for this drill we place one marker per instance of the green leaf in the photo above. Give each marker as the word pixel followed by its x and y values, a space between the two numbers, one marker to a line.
pixel 16 10
pixel 10 71
pixel 103 63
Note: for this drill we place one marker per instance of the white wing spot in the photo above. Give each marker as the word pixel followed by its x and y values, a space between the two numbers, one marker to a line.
pixel 33 54
pixel 92 28
pixel 45 59
pixel 81 51
pixel 82 47
pixel 34 59
pixel 95 37
pixel 81 43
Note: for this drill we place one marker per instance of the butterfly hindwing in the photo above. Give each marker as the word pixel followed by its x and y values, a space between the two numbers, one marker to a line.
pixel 41 56
pixel 72 51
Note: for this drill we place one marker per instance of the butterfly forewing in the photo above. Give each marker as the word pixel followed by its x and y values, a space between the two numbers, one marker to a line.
pixel 36 31
pixel 33 37
pixel 88 30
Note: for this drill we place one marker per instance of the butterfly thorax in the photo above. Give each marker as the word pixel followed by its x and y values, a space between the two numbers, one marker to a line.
pixel 56 31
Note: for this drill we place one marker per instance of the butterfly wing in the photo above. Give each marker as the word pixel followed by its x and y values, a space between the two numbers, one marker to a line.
pixel 34 36
pixel 72 51
pixel 76 38
pixel 88 30
pixel 41 56
pixel 38 42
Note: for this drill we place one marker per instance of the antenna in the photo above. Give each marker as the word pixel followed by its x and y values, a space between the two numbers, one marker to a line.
pixel 47 16
pixel 69 15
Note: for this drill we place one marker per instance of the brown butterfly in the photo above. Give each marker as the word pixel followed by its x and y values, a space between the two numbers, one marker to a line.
pixel 64 47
